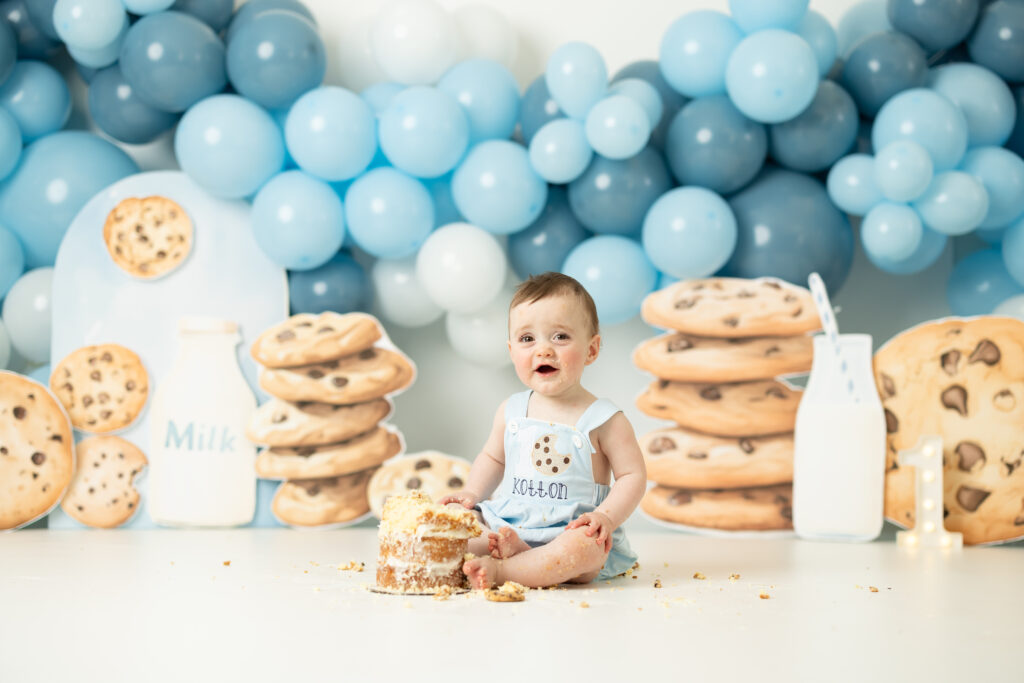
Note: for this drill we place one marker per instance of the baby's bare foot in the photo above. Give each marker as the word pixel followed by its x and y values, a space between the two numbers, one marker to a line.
pixel 481 571
pixel 506 543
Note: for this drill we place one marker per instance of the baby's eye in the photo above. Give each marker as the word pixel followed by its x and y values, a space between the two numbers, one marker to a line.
pixel 526 338
pixel 561 336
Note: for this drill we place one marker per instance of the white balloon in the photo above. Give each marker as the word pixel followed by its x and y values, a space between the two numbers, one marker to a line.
pixel 401 297
pixel 1012 307
pixel 462 267
pixel 414 41
pixel 27 314
pixel 486 33
pixel 5 346
pixel 355 65
pixel 482 337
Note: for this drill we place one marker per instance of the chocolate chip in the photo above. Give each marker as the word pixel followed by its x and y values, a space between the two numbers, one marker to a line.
pixel 325 329
pixel 304 323
pixel 554 469
pixel 565 461
pixel 949 360
pixel 745 294
pixel 547 439
pixel 455 483
pixel 686 303
pixel 3 450
pixel 888 385
pixel 746 495
pixel 663 383
pixel 746 446
pixel 786 512
pixel 798 312
pixel 330 365
pixel 892 424
pixel 38 458
pixel 103 397
pixel 772 285
pixel 548 461
pixel 697 455
pixel 547 449
pixel 339 381
pixel 538 463
pixel 422 465
pixel 95 375
pixel 775 391
pixel 731 321
pixel 710 394
pixel 305 451
pixel 536 445
pixel 106 357
pixel 1011 465
pixel 278 418
pixel 986 352
pixel 414 483
pixel 315 373
pixel 19 412
pixel 1004 401
pixel 286 335
pixel 104 414
pixel 86 401
pixel 1019 520
pixel 367 354
pixel 970 454
pixel 955 398
pixel 970 498
pixel 130 385
pixel 772 349
pixel 679 344
pixel 161 255
pixel 661 444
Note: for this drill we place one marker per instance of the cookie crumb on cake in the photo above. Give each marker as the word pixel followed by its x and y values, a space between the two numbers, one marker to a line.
pixel 657 583
pixel 699 575
pixel 734 577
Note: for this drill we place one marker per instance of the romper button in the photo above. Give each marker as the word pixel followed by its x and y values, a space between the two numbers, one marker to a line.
pixel 577 440
pixel 513 427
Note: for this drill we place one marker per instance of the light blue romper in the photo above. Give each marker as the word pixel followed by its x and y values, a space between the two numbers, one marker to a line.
pixel 549 479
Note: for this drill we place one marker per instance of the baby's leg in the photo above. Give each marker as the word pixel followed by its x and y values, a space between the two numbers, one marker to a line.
pixel 506 543
pixel 571 556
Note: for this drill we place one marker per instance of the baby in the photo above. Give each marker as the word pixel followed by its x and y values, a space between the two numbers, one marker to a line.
pixel 553 450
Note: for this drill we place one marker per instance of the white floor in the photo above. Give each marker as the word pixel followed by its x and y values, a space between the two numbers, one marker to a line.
pixel 254 605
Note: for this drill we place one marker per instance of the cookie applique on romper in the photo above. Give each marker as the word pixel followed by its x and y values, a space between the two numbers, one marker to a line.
pixel 549 479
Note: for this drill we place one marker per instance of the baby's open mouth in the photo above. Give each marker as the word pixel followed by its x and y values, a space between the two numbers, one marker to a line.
pixel 546 369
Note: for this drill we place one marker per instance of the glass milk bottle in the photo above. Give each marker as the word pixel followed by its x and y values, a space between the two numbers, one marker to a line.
pixel 202 468
pixel 839 446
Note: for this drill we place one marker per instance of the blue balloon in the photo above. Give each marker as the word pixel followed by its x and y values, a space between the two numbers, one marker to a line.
pixel 818 136
pixel 756 15
pixel 903 170
pixel 89 25
pixel 689 232
pixel 991 235
pixel 671 101
pixel 57 175
pixel 38 98
pixel 340 285
pixel 173 60
pixel 615 272
pixel 772 75
pixel 142 7
pixel 424 131
pixel 559 152
pixel 10 143
pixel 97 58
pixel 788 228
pixel 298 220
pixel 120 113
pixel 389 214
pixel 979 283
pixel 40 13
pixel 891 232
pixel 988 44
pixel 882 65
pixel 983 97
pixel 275 57
pixel 695 50
pixel 862 19
pixel 617 127
pixel 712 144
pixel 614 196
pixel 537 108
pixel 331 133
pixel 488 94
pixel 576 77
pixel 819 34
pixel 445 211
pixel 379 95
pixel 1015 143
pixel 229 145
pixel 851 184
pixel 936 24
pixel 12 260
pixel 644 94
pixel 1001 172
pixel 544 244
pixel 954 203
pixel 928 251
pixel 496 188
pixel 8 49
pixel 214 13
pixel 32 42
pixel 1012 248
pixel 252 8
pixel 927 118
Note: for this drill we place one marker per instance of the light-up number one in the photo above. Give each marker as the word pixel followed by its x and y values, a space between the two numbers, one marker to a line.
pixel 928 532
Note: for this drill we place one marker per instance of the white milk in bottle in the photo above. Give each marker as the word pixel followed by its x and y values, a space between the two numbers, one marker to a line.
pixel 839 446
pixel 202 468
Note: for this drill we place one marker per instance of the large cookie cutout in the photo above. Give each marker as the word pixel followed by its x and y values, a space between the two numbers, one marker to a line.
pixel 103 387
pixel 102 493
pixel 148 237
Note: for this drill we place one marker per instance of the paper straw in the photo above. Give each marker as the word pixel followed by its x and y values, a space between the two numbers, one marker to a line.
pixel 828 323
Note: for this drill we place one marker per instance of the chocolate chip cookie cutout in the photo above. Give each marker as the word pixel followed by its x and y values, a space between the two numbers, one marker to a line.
pixel 320 502
pixel 309 462
pixel 689 358
pixel 766 508
pixel 686 458
pixel 431 472
pixel 307 338
pixel 309 423
pixel 103 387
pixel 358 378
pixel 148 237
pixel 102 493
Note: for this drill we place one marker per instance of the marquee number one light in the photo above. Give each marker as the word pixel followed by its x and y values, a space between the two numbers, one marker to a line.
pixel 928 531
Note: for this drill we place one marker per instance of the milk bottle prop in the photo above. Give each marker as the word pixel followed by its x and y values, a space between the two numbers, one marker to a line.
pixel 202 468
pixel 839 443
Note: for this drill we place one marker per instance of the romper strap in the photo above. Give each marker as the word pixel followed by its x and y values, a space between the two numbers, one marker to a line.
pixel 596 414
pixel 516 405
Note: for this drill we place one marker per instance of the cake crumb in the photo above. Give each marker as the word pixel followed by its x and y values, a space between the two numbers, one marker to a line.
pixel 510 591
pixel 635 576
pixel 764 596
pixel 734 577
pixel 657 583
pixel 468 556
pixel 443 593
pixel 699 575
pixel 873 589
pixel 407 605
pixel 857 586
pixel 227 563
pixel 585 604
pixel 352 566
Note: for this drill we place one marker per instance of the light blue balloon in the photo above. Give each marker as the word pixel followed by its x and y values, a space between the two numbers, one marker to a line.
pixel 8 48
pixel 445 211
pixel 982 96
pixel 12 260
pixel 57 175
pixel 772 75
pixel 298 221
pixel 1012 250
pixel 142 7
pixel 424 132
pixel 496 188
pixel 544 244
pixel 851 184
pixel 664 280
pixel 689 232
pixel 649 71
pixel 927 118
pixel 979 283
pixel 89 24
pixel 928 251
pixel 891 232
pixel 954 203
pixel 861 20
pixel 819 34
pixel 389 213
pixel 992 236
pixel 38 98
pixel 488 94
pixel 617 127
pixel 644 94
pixel 252 8
pixel 97 58
pixel 27 314
pixel 817 137
pixel 559 152
pixel 214 13
pixel 757 15
pixel 10 143
pixel 32 41
pixel 616 272
pixel 903 170
pixel 379 95
pixel 614 196
pixel 119 113
pixel 576 77
pixel 331 133
pixel 340 285
pixel 173 60
pixel 229 145
pixel 537 108
pixel 1001 172
pixel 695 50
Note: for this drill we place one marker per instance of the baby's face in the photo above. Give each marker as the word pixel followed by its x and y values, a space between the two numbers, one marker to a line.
pixel 550 343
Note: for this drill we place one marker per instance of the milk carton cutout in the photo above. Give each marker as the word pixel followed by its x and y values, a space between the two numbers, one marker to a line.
pixel 202 468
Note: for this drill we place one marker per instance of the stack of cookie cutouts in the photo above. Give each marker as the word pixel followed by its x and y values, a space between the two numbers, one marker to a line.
pixel 727 462
pixel 323 430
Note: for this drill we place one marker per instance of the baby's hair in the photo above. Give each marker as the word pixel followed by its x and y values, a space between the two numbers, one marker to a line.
pixel 538 287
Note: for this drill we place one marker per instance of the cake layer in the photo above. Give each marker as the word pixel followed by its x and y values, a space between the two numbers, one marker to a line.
pixel 417 578
pixel 409 548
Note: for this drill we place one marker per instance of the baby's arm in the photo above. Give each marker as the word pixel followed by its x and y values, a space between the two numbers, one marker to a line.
pixel 488 467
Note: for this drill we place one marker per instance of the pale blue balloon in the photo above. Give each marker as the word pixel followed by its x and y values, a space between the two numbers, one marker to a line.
pixel 576 77
pixel 695 50
pixel 100 57
pixel 89 24
pixel 545 243
pixel 891 232
pixel 851 184
pixel 903 170
pixel 388 213
pixel 379 95
pixel 120 113
pixel 559 152
pixel 928 251
pixel 616 272
pixel 644 94
pixel 445 211
pixel 1012 250
pixel 617 127
pixel 954 203
pixel 861 20
pixel 927 118
pixel 757 15
pixel 38 98
pixel 27 314
pixel 298 220
pixel 649 71
pixel 331 133
pixel 229 145
pixel 979 283
pixel 496 188
pixel 57 175
pixel 936 24
pixel 819 135
pixel 982 96
pixel 1001 172
pixel 488 94
pixel 689 232
pixel 142 7
pixel 819 34
pixel 424 131
pixel 12 260
pixel 991 235
pixel 614 196
pixel 772 75
pixel 250 9
pixel 536 108
pixel 10 143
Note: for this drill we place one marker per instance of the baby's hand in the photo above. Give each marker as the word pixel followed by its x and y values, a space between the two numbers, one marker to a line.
pixel 596 523
pixel 463 498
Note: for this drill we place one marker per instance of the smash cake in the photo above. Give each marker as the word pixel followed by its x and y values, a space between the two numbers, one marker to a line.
pixel 423 545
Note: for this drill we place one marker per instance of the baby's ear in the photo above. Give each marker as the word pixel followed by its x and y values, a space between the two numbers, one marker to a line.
pixel 593 349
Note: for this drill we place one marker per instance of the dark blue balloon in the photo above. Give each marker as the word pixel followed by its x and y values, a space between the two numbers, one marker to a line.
pixel 614 196
pixel 40 13
pixel 936 24
pixel 671 100
pixel 988 45
pixel 120 113
pixel 32 43
pixel 1016 141
pixel 713 145
pixel 880 66
pixel 250 9
pixel 8 49
pixel 788 228
pixel 340 285
pixel 820 134
pixel 544 244
pixel 214 13
pixel 537 108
